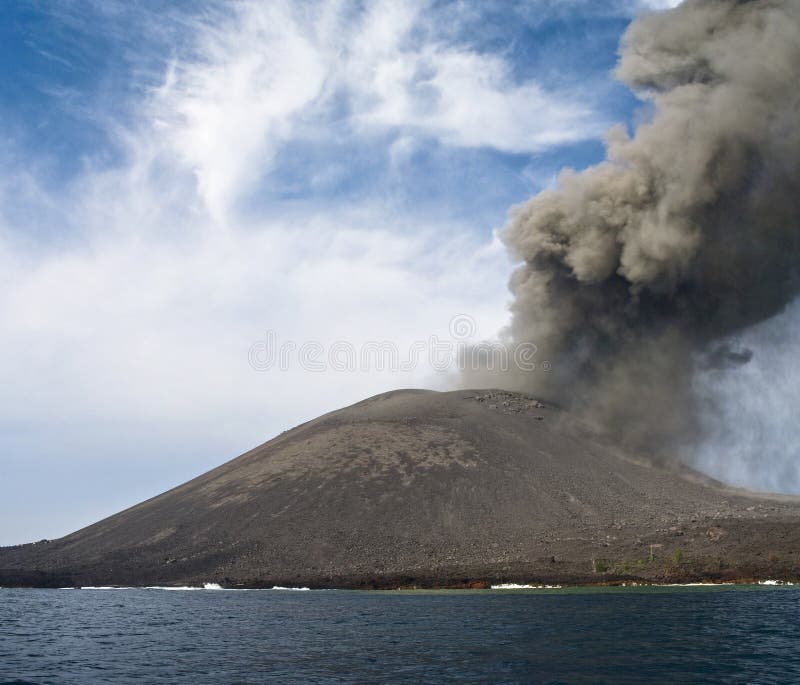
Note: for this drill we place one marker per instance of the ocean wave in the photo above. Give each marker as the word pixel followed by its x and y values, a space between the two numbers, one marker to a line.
pixel 293 589
pixel 99 587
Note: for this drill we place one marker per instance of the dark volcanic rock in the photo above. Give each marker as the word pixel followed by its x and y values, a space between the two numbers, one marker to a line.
pixel 429 489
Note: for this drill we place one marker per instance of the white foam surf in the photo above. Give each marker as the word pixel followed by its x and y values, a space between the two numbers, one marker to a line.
pixel 100 587
pixel 291 589
pixel 516 586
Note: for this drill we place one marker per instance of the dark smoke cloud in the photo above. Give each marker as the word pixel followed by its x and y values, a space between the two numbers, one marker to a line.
pixel 635 270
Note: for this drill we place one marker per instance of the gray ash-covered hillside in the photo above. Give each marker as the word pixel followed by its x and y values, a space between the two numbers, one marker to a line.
pixel 430 489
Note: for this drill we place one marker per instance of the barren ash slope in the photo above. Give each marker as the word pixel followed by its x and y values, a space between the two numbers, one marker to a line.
pixel 431 489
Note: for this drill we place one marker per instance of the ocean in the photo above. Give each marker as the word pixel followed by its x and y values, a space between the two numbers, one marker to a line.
pixel 698 635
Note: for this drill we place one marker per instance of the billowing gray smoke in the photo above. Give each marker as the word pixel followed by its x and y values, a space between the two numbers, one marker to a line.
pixel 637 271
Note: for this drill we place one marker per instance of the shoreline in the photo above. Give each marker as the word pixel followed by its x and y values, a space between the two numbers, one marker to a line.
pixel 521 588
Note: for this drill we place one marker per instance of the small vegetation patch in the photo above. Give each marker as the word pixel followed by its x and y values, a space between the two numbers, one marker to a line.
pixel 601 565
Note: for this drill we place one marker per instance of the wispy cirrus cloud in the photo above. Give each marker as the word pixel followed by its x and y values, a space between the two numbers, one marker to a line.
pixel 276 72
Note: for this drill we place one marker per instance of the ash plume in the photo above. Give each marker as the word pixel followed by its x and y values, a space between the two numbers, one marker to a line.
pixel 636 271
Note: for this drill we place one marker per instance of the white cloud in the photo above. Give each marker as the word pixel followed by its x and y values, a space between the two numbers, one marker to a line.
pixel 158 330
pixel 659 4
pixel 272 72
pixel 468 100
pixel 225 114
pixel 460 96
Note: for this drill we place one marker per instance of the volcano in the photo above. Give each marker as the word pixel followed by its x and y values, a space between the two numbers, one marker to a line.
pixel 428 489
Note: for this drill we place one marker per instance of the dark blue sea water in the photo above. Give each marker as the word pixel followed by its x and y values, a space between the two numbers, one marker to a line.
pixel 635 635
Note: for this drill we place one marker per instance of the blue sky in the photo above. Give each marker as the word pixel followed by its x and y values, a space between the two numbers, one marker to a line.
pixel 176 182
